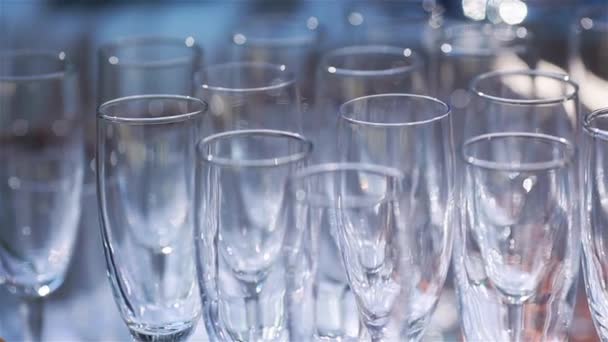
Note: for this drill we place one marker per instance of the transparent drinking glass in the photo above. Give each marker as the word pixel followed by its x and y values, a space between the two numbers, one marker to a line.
pixel 411 133
pixel 516 253
pixel 250 95
pixel 594 234
pixel 240 179
pixel 41 172
pixel 588 36
pixel 145 179
pixel 355 71
pixel 281 39
pixel 345 247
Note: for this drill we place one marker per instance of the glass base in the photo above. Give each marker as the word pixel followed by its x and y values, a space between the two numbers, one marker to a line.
pixel 175 332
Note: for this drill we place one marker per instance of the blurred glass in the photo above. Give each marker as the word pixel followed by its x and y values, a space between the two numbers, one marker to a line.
pixel 281 39
pixel 355 71
pixel 588 46
pixel 147 65
pixel 468 50
pixel 516 254
pixel 408 24
pixel 240 179
pixel 411 133
pixel 145 175
pixel 41 174
pixel 245 95
pixel 321 305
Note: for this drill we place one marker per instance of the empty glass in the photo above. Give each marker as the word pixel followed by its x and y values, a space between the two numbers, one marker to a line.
pixel 147 65
pixel 240 179
pixel 595 235
pixel 516 253
pixel 40 174
pixel 145 179
pixel 345 226
pixel 411 133
pixel 246 95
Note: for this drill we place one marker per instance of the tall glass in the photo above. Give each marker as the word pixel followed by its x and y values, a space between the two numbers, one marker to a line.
pixel 240 179
pixel 355 71
pixel 145 179
pixel 589 36
pixel 411 133
pixel 516 253
pixel 40 175
pixel 594 232
pixel 281 39
pixel 247 95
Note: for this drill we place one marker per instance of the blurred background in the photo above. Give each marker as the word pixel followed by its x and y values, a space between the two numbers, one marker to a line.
pixel 83 308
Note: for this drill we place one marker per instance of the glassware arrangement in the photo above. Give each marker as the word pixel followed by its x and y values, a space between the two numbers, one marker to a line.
pixel 209 205
pixel 145 181
pixel 40 176
pixel 240 180
pixel 517 250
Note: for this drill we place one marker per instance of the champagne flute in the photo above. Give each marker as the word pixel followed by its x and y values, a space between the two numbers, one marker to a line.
pixel 145 162
pixel 40 176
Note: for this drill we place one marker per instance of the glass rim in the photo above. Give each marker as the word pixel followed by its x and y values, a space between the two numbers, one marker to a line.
pixel 280 68
pixel 255 163
pixel 592 130
pixel 58 56
pixel 450 33
pixel 565 79
pixel 333 167
pixel 439 117
pixel 134 42
pixel 102 110
pixel 367 49
pixel 523 167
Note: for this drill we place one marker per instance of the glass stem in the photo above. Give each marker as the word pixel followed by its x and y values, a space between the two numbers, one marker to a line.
pixel 31 311
pixel 252 310
pixel 516 321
